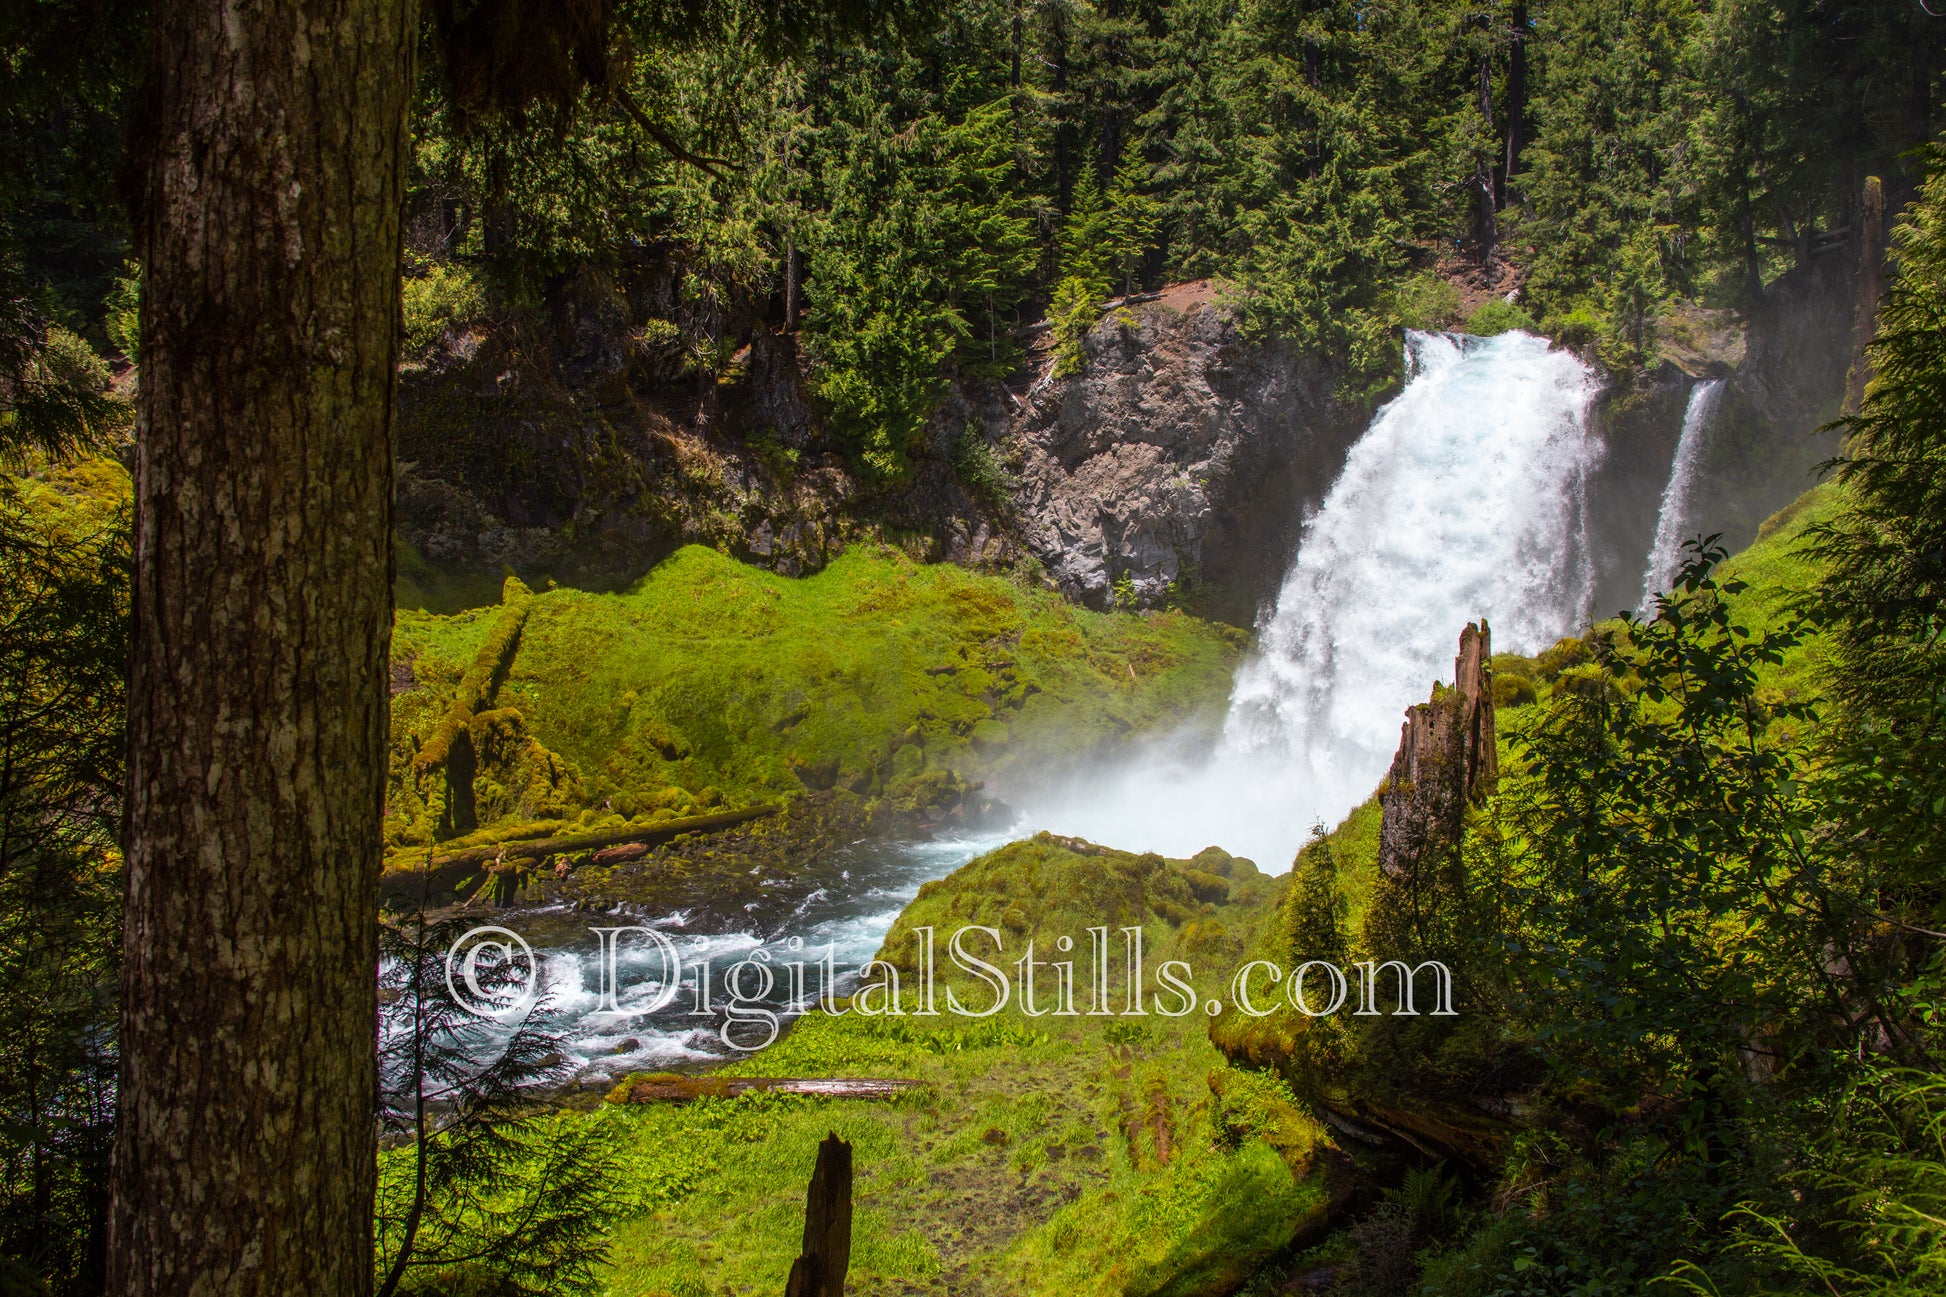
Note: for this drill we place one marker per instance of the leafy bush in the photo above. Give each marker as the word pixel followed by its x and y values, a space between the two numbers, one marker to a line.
pixel 1497 316
pixel 443 298
pixel 981 470
pixel 1427 302
pixel 1074 310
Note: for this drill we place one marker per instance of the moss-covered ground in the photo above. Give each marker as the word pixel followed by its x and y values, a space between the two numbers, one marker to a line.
pixel 1044 1155
pixel 711 683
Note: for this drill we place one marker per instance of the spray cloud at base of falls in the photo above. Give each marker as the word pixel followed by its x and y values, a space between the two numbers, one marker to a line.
pixel 1672 520
pixel 1464 499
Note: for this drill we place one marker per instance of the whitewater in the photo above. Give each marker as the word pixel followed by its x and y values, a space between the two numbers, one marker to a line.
pixel 1464 499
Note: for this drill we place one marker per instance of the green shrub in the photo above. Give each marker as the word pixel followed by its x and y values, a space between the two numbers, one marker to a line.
pixel 1580 328
pixel 1513 691
pixel 124 318
pixel 440 299
pixel 1427 302
pixel 1074 310
pixel 1497 316
pixel 980 470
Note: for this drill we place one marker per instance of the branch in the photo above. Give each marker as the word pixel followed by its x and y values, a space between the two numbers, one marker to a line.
pixel 626 102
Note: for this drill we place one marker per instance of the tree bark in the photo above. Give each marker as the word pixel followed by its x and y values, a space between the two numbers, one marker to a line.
pixel 1871 263
pixel 819 1270
pixel 1516 97
pixel 271 169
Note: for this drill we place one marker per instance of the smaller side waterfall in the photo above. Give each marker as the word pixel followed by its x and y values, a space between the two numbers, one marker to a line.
pixel 1672 523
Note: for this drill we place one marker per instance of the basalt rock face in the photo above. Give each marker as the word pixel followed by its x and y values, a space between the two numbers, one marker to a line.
pixel 1179 458
pixel 1446 760
pixel 585 440
pixel 1786 365
pixel 1767 442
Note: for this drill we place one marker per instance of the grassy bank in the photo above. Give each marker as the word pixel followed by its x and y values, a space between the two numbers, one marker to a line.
pixel 713 683
pixel 1047 1155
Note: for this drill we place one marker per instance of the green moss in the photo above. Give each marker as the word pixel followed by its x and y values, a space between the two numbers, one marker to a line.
pixel 76 498
pixel 708 673
pixel 1048 1157
pixel 482 678
pixel 1780 571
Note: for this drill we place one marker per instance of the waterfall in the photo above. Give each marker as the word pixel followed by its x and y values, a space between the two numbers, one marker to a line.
pixel 1463 499
pixel 1672 522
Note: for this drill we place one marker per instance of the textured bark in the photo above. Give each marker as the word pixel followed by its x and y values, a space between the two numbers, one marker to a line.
pixel 271 157
pixel 1871 263
pixel 820 1270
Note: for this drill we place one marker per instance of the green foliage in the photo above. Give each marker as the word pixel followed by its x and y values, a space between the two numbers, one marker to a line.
pixel 478 1189
pixel 54 390
pixel 1072 313
pixel 438 301
pixel 925 238
pixel 981 471
pixel 1106 234
pixel 1059 1155
pixel 1496 316
pixel 1661 817
pixel 1885 593
pixel 123 322
pixel 1427 302
pixel 1315 910
pixel 876 672
pixel 64 600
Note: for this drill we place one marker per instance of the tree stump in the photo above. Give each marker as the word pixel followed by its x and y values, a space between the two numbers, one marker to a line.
pixel 820 1270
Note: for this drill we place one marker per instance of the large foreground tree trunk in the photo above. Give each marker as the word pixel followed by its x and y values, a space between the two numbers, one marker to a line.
pixel 271 148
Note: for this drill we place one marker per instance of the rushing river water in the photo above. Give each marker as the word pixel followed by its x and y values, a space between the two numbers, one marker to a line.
pixel 843 920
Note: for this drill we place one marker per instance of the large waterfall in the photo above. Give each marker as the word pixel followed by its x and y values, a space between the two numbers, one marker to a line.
pixel 1672 523
pixel 1464 499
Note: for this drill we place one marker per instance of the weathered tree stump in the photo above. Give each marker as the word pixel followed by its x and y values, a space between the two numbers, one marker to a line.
pixel 820 1270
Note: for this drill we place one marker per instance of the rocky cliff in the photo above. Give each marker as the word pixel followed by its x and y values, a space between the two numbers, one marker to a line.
pixel 1786 363
pixel 580 442
pixel 1180 457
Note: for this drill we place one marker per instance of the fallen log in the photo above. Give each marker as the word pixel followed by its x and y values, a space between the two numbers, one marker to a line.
pixel 683 1089
pixel 455 866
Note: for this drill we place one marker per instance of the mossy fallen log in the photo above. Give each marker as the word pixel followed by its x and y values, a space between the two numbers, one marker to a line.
pixel 449 870
pixel 684 1089
pixel 482 678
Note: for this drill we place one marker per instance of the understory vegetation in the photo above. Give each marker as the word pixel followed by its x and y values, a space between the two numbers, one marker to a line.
pixel 1696 926
pixel 713 684
pixel 1040 1155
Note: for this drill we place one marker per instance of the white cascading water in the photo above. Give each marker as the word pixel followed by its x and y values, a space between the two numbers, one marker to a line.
pixel 1463 500
pixel 1672 521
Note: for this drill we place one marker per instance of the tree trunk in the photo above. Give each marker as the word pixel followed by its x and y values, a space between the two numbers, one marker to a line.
pixel 1516 97
pixel 819 1270
pixel 1486 231
pixel 1871 262
pixel 272 168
